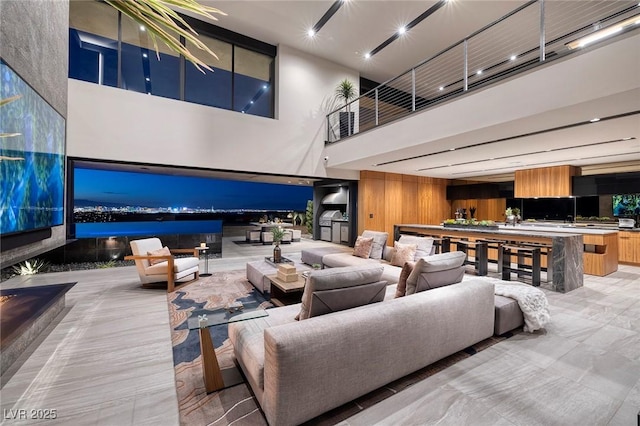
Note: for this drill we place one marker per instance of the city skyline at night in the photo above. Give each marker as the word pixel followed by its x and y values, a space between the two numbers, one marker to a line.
pixel 118 188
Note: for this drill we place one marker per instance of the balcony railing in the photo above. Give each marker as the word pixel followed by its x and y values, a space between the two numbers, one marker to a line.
pixel 533 34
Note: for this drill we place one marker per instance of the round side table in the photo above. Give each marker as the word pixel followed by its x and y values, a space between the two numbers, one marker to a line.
pixel 205 250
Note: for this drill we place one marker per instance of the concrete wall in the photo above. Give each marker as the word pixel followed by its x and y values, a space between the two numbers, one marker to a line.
pixel 114 124
pixel 34 42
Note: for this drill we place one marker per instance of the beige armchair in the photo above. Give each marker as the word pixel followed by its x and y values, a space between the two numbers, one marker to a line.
pixel 169 269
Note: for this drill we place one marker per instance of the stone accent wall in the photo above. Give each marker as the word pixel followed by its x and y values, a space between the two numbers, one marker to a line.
pixel 34 41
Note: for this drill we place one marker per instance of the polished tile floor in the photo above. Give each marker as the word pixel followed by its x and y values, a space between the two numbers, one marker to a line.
pixel 108 360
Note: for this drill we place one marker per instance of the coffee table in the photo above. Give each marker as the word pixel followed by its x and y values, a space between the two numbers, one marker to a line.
pixel 286 293
pixel 214 377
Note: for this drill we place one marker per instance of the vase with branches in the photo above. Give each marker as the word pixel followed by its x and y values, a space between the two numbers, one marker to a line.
pixel 278 235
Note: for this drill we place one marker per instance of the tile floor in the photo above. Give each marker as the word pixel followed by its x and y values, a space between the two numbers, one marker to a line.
pixel 108 360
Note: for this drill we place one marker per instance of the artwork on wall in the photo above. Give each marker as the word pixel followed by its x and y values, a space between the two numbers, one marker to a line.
pixel 626 204
pixel 32 155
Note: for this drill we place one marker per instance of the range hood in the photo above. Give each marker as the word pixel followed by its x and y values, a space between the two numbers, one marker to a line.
pixel 335 198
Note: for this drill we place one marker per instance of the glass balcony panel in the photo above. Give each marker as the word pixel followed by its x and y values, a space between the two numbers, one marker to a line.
pixel 93 43
pixel 144 70
pixel 210 88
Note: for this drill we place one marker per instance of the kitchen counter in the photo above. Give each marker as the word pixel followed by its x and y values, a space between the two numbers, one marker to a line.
pixel 567 261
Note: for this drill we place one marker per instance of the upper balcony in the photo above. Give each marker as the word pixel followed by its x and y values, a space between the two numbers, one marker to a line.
pixel 532 35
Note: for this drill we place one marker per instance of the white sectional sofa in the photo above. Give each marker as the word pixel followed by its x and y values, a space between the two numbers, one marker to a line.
pixel 301 369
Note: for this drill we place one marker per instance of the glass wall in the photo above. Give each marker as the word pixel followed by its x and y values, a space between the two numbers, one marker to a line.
pixel 242 78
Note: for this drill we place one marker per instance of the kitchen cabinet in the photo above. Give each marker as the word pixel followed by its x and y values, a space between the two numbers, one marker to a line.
pixel 629 247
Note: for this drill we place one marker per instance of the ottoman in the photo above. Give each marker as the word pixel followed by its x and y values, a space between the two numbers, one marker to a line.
pixel 256 274
pixel 314 255
pixel 508 315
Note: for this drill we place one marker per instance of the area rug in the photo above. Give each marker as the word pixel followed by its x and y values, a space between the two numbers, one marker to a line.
pixel 237 405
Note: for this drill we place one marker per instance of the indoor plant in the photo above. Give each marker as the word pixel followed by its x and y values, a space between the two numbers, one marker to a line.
pixel 345 92
pixel 278 235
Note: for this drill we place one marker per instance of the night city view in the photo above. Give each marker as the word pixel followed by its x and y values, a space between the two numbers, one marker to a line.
pixel 116 196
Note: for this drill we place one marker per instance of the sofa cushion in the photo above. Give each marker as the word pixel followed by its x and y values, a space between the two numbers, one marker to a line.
pixel 403 253
pixel 359 285
pixel 164 251
pixel 436 271
pixel 362 247
pixel 401 289
pixel 179 264
pixel 379 241
pixel 424 245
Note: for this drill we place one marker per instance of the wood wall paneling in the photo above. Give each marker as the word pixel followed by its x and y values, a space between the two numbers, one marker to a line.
pixel 409 199
pixel 371 202
pixel 545 182
pixel 393 198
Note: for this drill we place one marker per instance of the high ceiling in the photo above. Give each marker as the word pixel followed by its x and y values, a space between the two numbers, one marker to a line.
pixel 360 25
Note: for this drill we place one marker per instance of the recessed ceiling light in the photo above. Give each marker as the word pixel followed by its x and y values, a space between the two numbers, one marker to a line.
pixel 513 57
pixel 593 120
pixel 441 88
pixel 367 55
pixel 144 55
pixel 311 32
pixel 479 72
pixel 147 79
pixel 452 149
pixel 264 87
pixel 626 139
pixel 142 28
pixel 402 30
pixel 243 112
pixel 251 102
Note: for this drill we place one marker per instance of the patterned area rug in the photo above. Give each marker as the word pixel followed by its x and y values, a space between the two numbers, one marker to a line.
pixel 237 404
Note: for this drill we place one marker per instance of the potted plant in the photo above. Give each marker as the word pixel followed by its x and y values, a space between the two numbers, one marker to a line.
pixel 278 235
pixel 345 92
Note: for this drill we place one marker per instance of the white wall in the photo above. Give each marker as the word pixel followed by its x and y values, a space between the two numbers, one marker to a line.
pixel 113 124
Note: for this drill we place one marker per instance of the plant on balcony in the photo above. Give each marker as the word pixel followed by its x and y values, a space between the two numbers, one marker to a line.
pixel 162 23
pixel 345 92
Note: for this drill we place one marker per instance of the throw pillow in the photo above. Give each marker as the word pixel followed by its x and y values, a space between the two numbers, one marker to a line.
pixel 379 241
pixel 434 264
pixel 425 244
pixel 401 289
pixel 164 251
pixel 403 253
pixel 363 280
pixel 363 247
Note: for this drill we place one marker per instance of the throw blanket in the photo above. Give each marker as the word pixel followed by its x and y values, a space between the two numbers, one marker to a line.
pixel 532 301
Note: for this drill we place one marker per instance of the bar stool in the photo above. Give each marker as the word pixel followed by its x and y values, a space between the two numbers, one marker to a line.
pixel 438 244
pixel 445 243
pixel 480 255
pixel 546 250
pixel 493 244
pixel 521 268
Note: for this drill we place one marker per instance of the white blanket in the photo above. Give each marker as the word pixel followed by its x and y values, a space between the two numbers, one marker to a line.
pixel 532 301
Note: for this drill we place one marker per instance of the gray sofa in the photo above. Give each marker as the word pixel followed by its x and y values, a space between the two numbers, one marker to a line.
pixel 301 369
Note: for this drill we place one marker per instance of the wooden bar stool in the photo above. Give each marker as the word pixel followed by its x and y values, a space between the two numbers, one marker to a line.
pixel 521 268
pixel 493 244
pixel 546 250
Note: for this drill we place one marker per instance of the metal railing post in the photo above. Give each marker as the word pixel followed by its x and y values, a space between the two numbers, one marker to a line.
pixel 376 106
pixel 329 128
pixel 466 66
pixel 542 35
pixel 413 89
pixel 348 108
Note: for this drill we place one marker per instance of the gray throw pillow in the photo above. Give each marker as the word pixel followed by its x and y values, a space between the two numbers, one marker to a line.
pixel 425 244
pixel 337 278
pixel 434 264
pixel 379 241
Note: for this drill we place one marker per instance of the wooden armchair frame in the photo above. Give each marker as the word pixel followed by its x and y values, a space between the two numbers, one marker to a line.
pixel 171 282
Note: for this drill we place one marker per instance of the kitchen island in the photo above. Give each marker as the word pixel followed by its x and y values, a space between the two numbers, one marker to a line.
pixel 569 260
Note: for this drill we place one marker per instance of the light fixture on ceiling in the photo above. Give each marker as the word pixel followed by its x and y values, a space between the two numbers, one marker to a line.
pixel 594 120
pixel 441 88
pixel 604 33
pixel 325 18
pixel 265 87
pixel 626 139
pixel 142 28
pixel 367 55
pixel 452 149
pixel 147 79
pixel 513 57
pixel 144 55
pixel 479 72
pixel 402 30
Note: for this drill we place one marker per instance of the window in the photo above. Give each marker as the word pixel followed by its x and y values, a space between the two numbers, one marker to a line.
pixel 108 48
pixel 252 91
pixel 145 70
pixel 93 43
pixel 210 88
